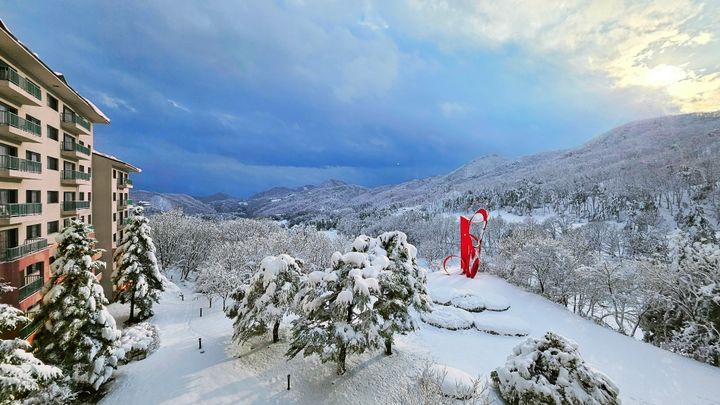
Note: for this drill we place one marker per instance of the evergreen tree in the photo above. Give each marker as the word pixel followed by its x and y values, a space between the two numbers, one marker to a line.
pixel 267 298
pixel 77 334
pixel 687 318
pixel 22 375
pixel 336 314
pixel 136 276
pixel 403 284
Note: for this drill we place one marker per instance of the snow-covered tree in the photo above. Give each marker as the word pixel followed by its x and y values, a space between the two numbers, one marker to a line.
pixel 168 233
pixel 136 276
pixel 262 304
pixel 221 274
pixel 22 375
pixel 77 332
pixel 336 313
pixel 687 318
pixel 549 370
pixel 403 285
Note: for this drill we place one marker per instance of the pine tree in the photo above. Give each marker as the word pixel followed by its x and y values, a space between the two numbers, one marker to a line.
pixel 403 284
pixel 266 299
pixel 77 334
pixel 22 375
pixel 136 276
pixel 336 314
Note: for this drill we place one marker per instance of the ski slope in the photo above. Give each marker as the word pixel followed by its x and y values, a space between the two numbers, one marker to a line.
pixel 178 373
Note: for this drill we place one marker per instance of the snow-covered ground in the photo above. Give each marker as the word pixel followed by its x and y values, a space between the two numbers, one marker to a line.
pixel 179 373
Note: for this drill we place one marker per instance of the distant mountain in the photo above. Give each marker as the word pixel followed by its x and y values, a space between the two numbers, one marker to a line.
pixel 214 197
pixel 168 201
pixel 639 151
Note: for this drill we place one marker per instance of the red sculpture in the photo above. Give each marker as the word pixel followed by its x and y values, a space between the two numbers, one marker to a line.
pixel 470 244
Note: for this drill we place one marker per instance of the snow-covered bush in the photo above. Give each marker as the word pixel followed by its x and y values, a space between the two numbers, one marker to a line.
pixel 262 304
pixel 136 276
pixel 442 385
pixel 139 340
pixel 403 285
pixel 549 370
pixel 77 333
pixel 336 317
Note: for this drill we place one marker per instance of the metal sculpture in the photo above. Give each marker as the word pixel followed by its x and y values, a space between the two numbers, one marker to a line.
pixel 470 244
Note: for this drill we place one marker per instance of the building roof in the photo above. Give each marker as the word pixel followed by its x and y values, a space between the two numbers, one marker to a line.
pixel 50 79
pixel 121 163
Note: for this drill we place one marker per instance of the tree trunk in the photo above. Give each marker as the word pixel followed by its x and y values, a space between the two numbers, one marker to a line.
pixel 341 359
pixel 388 346
pixel 276 331
pixel 132 306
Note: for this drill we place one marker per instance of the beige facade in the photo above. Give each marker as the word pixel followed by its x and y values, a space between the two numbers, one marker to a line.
pixel 46 141
pixel 111 186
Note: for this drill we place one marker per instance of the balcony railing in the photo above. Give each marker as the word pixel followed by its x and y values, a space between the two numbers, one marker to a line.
pixel 20 210
pixel 10 74
pixel 75 175
pixel 8 162
pixel 75 205
pixel 30 246
pixel 74 146
pixel 32 285
pixel 8 118
pixel 122 203
pixel 71 117
pixel 29 329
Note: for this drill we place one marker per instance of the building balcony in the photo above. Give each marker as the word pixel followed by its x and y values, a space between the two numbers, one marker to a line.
pixel 74 123
pixel 18 129
pixel 122 204
pixel 123 184
pixel 74 151
pixel 12 167
pixel 19 89
pixel 33 284
pixel 74 177
pixel 16 252
pixel 72 207
pixel 11 214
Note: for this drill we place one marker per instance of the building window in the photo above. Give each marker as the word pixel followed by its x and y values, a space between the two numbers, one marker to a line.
pixel 121 218
pixel 114 174
pixel 82 218
pixel 89 196
pixel 33 272
pixel 32 196
pixel 34 156
pixel 82 196
pixel 53 163
pixel 53 103
pixel 33 120
pixel 114 237
pixel 33 231
pixel 53 197
pixel 114 197
pixel 53 227
pixel 53 133
pixel 89 219
pixel 114 217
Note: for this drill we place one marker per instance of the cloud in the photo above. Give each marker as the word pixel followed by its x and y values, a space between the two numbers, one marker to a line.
pixel 450 108
pixel 629 42
pixel 113 102
pixel 178 105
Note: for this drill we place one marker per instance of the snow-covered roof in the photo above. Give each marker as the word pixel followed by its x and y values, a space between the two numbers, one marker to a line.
pixel 130 166
pixel 51 78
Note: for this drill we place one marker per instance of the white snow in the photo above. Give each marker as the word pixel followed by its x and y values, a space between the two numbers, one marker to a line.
pixel 454 382
pixel 177 373
pixel 448 318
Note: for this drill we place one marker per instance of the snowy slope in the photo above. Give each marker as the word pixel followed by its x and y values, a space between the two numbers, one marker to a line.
pixel 179 374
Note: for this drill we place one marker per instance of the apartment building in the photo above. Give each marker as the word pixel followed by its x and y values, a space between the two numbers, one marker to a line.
pixel 46 140
pixel 111 184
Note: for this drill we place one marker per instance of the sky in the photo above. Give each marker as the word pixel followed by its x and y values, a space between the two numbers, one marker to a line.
pixel 240 96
